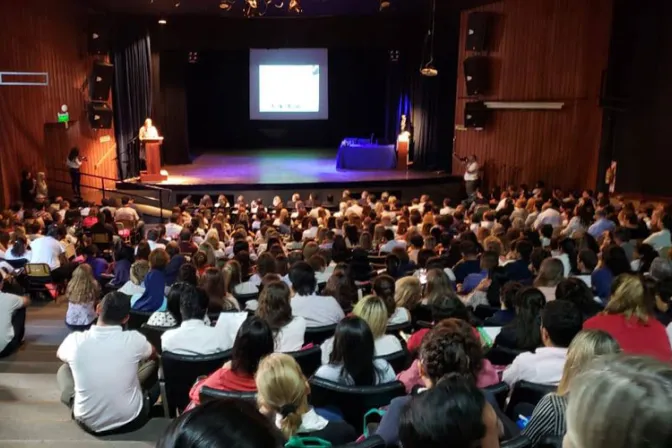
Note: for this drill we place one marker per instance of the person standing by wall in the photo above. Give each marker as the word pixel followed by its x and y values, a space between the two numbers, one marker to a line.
pixel 74 163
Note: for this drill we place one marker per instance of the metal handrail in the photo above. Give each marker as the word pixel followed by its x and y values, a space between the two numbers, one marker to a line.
pixel 102 188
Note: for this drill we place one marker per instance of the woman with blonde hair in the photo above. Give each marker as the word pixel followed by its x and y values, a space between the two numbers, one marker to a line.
pixel 551 273
pixel 438 285
pixel 41 188
pixel 373 311
pixel 83 292
pixel 408 293
pixel 628 318
pixel 365 242
pixel 212 238
pixel 548 418
pixel 282 395
pixel 621 402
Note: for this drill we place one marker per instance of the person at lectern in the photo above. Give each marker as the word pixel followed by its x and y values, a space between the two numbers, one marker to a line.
pixel 147 132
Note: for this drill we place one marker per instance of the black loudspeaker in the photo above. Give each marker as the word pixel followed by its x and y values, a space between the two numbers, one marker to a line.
pixel 98 38
pixel 101 81
pixel 478 31
pixel 100 115
pixel 476 115
pixel 477 75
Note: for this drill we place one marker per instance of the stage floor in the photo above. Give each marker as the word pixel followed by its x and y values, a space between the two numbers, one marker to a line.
pixel 273 168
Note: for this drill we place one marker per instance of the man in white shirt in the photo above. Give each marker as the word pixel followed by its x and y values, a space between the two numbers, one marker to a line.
pixel 353 208
pixel 390 242
pixel 549 215
pixel 152 238
pixel 316 310
pixel 311 232
pixel 193 337
pixel 126 212
pixel 471 168
pixel 660 240
pixel 447 209
pixel 104 369
pixel 12 321
pixel 50 251
pixel 173 228
pixel 560 322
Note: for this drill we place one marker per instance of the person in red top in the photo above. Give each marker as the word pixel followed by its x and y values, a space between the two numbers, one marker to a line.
pixel 253 341
pixel 628 318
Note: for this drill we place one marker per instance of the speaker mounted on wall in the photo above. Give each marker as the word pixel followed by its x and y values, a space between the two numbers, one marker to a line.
pixel 478 31
pixel 100 115
pixel 100 81
pixel 98 37
pixel 476 115
pixel 477 75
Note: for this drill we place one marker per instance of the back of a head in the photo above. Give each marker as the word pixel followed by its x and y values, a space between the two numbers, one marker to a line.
pixel 468 248
pixel 621 402
pixel 303 279
pixel 628 298
pixel 115 308
pixel 191 305
pixel 407 292
pixel 274 307
pixel 253 341
pixel 454 410
pixel 561 321
pixel 447 306
pixel 661 269
pixel 451 347
pixel 438 284
pixel 551 273
pixel 373 310
pixel 586 346
pixel 354 351
pixel 384 287
pixel 589 259
pixel 282 389
pixel 579 293
pixel 222 423
pixel 524 248
pixel 489 260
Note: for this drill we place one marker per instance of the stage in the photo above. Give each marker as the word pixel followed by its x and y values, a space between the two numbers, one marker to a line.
pixel 264 173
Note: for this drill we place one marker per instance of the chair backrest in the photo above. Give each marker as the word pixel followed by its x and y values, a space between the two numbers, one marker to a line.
pixel 374 441
pixel 181 372
pixel 424 324
pixel 399 360
pixel 309 359
pixel 244 298
pixel 17 264
pixel 210 394
pixel 551 442
pixel 517 442
pixel 153 334
pixel 353 401
pixel 318 335
pixel 37 269
pixel 100 238
pixel 421 313
pixel 396 328
pixel 525 396
pixel 137 318
pixel 500 392
pixel 484 311
pixel 502 356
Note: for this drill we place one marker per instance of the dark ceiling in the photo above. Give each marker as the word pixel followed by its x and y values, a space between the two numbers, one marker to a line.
pixel 277 8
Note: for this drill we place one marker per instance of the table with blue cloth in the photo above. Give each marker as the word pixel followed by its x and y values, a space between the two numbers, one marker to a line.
pixel 366 156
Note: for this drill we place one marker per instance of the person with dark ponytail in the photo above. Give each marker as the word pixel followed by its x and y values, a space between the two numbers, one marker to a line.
pixel 523 332
pixel 74 163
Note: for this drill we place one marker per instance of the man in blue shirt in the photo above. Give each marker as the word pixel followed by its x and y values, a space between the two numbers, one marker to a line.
pixel 489 261
pixel 601 224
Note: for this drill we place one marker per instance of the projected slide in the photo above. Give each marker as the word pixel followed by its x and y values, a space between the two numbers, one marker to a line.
pixel 289 88
pixel 289 84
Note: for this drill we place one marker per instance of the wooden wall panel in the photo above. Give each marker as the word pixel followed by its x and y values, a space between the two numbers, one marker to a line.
pixel 546 50
pixel 46 36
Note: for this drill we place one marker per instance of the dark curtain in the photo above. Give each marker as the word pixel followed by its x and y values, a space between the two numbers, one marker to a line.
pixel 171 106
pixel 132 98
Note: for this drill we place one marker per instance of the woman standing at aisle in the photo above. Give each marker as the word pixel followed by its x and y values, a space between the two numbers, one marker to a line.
pixel 74 163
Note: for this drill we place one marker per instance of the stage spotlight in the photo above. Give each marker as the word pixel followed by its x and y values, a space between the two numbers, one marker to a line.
pixel 394 55
pixel 427 68
pixel 193 57
pixel 295 7
pixel 177 3
pixel 384 4
pixel 162 21
pixel 224 5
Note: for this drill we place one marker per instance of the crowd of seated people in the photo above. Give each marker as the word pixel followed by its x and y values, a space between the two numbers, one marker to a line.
pixel 551 280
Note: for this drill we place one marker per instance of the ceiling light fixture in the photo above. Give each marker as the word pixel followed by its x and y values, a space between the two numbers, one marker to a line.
pixel 225 5
pixel 427 68
pixel 295 7
pixel 163 21
pixel 384 5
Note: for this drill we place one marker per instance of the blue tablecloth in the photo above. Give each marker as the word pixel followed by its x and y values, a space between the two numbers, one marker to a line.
pixel 366 157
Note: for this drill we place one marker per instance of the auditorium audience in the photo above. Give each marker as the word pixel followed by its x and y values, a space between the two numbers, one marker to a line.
pixel 315 309
pixel 560 322
pixel 153 297
pixel 12 319
pixel 135 284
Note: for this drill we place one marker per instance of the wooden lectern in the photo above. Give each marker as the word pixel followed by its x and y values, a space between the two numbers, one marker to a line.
pixel 403 143
pixel 153 159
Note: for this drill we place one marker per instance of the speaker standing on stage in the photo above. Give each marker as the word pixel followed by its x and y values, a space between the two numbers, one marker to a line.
pixel 147 132
pixel 470 174
pixel 74 163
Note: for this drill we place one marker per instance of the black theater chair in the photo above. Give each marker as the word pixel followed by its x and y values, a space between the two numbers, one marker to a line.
pixel 396 328
pixel 502 356
pixel 399 361
pixel 309 359
pixel 500 391
pixel 525 396
pixel 517 442
pixel 137 319
pixel 244 298
pixel 210 394
pixel 153 334
pixel 551 442
pixel 318 335
pixel 353 401
pixel 374 441
pixel 179 373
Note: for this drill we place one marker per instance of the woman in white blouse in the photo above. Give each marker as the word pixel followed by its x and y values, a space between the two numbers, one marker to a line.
pixel 579 222
pixel 274 308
